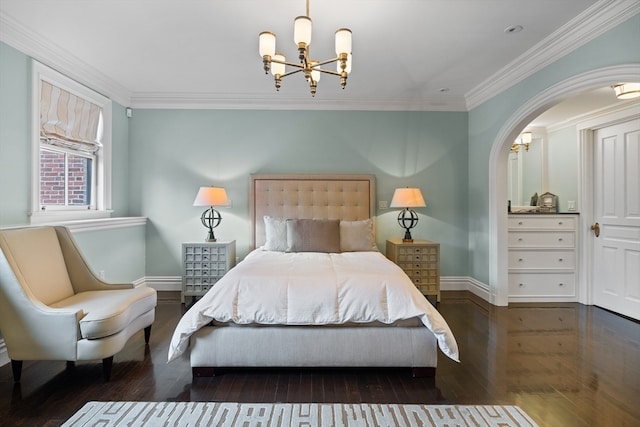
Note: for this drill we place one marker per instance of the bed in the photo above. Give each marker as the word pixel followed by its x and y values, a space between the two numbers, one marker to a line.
pixel 301 299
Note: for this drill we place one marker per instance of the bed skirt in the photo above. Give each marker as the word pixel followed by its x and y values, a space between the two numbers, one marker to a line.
pixel 313 346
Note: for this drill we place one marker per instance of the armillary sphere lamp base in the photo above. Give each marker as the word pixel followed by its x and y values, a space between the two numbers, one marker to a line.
pixel 211 218
pixel 407 218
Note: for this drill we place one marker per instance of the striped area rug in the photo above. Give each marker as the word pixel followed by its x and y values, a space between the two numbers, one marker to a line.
pixel 225 414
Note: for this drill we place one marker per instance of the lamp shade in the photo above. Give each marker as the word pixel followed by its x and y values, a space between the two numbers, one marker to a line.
pixel 407 198
pixel 278 69
pixel 627 90
pixel 211 196
pixel 343 41
pixel 302 30
pixel 267 43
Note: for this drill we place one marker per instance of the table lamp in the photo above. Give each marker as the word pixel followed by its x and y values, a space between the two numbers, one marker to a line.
pixel 211 218
pixel 407 198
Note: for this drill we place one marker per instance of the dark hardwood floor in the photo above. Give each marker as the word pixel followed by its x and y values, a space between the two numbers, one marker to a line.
pixel 564 364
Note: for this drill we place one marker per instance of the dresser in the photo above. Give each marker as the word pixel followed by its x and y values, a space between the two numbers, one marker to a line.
pixel 203 264
pixel 420 259
pixel 542 257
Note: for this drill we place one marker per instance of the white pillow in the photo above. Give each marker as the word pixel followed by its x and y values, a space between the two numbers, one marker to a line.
pixel 275 230
pixel 357 236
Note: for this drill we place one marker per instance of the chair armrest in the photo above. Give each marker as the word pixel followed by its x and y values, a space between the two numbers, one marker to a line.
pixel 32 330
pixel 82 277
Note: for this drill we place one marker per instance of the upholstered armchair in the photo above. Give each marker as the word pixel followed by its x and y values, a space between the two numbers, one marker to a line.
pixel 52 306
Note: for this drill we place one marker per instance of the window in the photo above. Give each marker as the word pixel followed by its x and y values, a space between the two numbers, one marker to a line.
pixel 71 149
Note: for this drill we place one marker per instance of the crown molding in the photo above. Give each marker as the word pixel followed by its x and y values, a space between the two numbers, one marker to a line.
pixel 52 55
pixel 592 23
pixel 595 21
pixel 627 109
pixel 244 102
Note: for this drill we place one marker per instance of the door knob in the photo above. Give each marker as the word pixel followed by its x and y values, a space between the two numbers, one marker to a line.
pixel 596 229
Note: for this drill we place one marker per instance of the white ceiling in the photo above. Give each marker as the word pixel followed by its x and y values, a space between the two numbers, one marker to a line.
pixel 427 55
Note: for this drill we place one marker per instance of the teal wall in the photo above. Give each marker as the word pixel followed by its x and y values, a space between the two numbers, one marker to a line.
pixel 563 159
pixel 486 121
pixel 15 136
pixel 161 157
pixel 173 152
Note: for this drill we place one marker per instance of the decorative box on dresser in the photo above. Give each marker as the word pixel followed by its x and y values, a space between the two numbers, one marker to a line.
pixel 542 257
pixel 420 259
pixel 203 264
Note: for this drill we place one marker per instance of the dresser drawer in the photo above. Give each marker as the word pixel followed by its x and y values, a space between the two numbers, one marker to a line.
pixel 542 259
pixel 532 239
pixel 542 284
pixel 542 221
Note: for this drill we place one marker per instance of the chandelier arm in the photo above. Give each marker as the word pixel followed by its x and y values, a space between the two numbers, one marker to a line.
pixel 327 71
pixel 291 64
pixel 328 61
pixel 291 72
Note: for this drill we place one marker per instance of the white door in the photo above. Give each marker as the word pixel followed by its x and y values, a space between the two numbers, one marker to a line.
pixel 616 263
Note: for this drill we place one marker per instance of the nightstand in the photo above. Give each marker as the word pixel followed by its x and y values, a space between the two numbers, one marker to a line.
pixel 203 264
pixel 420 259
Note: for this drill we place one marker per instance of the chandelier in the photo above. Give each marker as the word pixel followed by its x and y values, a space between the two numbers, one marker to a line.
pixel 310 68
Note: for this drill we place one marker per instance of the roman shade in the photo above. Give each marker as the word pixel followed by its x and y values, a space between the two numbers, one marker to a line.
pixel 67 120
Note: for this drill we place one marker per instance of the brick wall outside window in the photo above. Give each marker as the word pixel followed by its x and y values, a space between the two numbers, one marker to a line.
pixel 52 178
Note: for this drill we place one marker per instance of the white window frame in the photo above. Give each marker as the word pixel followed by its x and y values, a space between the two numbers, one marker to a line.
pixel 101 200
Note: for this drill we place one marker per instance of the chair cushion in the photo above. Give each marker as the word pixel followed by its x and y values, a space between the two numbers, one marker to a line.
pixel 109 312
pixel 36 256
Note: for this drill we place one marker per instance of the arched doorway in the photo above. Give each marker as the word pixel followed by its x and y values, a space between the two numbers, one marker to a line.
pixel 498 268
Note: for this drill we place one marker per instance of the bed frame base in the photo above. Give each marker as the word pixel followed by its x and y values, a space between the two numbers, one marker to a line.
pixel 208 371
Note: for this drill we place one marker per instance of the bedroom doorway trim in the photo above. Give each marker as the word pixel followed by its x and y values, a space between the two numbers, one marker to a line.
pixel 498 264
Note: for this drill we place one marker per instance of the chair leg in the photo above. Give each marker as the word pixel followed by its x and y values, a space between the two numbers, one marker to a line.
pixel 106 368
pixel 147 334
pixel 16 367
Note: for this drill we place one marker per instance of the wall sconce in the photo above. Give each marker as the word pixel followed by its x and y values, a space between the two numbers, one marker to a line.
pixel 525 139
pixel 211 218
pixel 407 218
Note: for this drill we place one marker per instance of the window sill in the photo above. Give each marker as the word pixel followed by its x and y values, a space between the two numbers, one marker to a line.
pixel 96 220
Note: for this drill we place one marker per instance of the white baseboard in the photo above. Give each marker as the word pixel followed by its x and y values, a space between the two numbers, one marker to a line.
pixel 161 283
pixel 465 283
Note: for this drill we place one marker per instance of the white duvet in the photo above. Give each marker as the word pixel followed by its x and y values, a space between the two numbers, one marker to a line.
pixel 310 288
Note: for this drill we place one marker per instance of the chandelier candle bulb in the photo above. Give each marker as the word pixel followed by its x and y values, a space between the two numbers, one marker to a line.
pixel 302 31
pixel 343 41
pixel 267 43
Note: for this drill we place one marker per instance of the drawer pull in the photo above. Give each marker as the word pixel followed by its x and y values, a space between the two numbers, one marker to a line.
pixel 560 239
pixel 560 284
pixel 521 285
pixel 520 239
pixel 559 222
pixel 519 222
pixel 560 260
pixel 520 259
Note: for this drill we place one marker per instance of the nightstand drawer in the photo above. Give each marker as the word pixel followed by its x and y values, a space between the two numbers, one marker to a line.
pixel 420 260
pixel 203 264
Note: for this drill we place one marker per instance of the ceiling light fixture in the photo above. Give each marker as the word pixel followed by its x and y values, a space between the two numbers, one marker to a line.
pixel 627 90
pixel 276 62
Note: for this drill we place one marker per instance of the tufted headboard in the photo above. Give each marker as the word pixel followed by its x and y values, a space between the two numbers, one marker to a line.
pixel 307 196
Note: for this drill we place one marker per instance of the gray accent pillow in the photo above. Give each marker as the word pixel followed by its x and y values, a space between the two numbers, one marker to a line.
pixel 275 231
pixel 357 236
pixel 313 235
